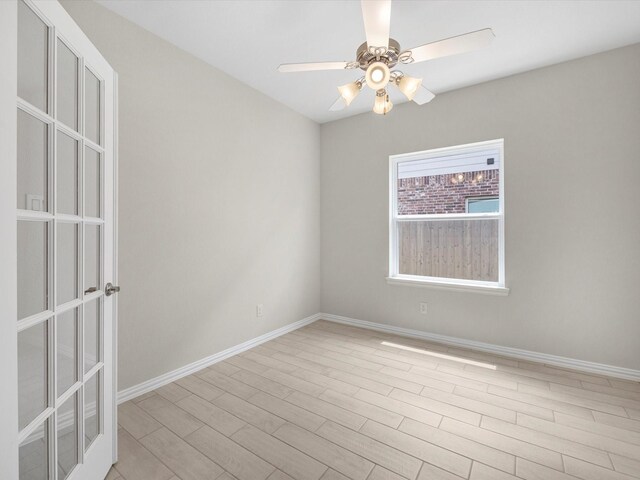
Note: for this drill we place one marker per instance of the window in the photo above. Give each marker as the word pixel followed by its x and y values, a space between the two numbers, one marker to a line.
pixel 447 218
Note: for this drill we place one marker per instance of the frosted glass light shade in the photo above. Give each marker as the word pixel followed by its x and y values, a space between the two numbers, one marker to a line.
pixel 377 75
pixel 349 91
pixel 382 105
pixel 409 86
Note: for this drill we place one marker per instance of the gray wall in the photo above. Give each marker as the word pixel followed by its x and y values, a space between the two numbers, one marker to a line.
pixel 219 201
pixel 572 173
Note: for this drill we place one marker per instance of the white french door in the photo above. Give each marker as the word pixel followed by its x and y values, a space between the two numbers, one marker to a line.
pixel 65 248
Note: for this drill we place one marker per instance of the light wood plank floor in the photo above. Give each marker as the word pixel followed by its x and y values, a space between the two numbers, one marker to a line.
pixel 331 402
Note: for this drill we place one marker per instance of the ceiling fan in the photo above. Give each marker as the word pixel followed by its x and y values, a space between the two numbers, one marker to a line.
pixel 380 54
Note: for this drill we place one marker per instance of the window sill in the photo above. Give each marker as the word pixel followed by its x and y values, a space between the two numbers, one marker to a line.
pixel 451 286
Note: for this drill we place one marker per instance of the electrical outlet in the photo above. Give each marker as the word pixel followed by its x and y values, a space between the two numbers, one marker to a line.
pixel 259 310
pixel 423 308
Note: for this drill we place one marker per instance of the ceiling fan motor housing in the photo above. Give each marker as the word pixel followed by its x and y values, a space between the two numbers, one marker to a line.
pixel 365 57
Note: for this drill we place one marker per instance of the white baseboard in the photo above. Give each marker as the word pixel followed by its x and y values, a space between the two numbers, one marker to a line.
pixel 555 360
pixel 144 387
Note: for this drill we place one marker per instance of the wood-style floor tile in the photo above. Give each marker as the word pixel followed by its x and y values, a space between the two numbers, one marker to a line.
pixel 594 440
pixel 373 450
pixel 172 392
pixel 135 462
pixel 235 459
pixel 626 465
pixel 502 442
pixel 335 402
pixel 284 457
pixel 327 410
pixel 212 415
pixel 402 408
pixel 135 420
pixel 248 412
pixel 480 471
pixel 287 411
pixel 545 440
pixel 199 387
pixel 464 446
pixel 365 409
pixel 180 457
pixel 170 415
pixel 589 471
pixel 336 457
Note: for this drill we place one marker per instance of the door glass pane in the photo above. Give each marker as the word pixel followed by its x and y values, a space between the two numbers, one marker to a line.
pixel 91 257
pixel 67 428
pixel 92 405
pixel 67 86
pixel 91 183
pixel 32 373
pixel 32 57
pixel 32 267
pixel 66 328
pixel 67 262
pixel 91 334
pixel 34 454
pixel 67 175
pixel 32 163
pixel 91 107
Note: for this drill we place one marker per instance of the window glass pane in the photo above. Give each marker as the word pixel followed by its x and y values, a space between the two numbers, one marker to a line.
pixel 91 334
pixel 457 249
pixel 32 163
pixel 66 331
pixel 91 257
pixel 92 406
pixel 67 175
pixel 67 86
pixel 32 373
pixel 421 192
pixel 483 205
pixel 32 57
pixel 92 107
pixel 67 432
pixel 67 262
pixel 91 183
pixel 34 454
pixel 32 268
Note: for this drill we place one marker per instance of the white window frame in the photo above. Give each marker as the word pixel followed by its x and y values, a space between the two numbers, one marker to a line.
pixel 395 278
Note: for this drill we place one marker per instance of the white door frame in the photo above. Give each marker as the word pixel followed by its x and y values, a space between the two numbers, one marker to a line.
pixel 8 241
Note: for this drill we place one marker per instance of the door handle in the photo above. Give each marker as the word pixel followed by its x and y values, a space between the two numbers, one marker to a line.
pixel 110 289
pixel 91 290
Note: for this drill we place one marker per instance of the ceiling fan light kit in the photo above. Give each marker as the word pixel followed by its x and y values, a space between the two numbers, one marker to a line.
pixel 350 91
pixel 380 54
pixel 382 105
pixel 378 75
pixel 408 85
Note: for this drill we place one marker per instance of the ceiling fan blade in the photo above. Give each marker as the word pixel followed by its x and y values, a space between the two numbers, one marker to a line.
pixel 423 95
pixel 377 19
pixel 339 104
pixel 452 46
pixel 310 67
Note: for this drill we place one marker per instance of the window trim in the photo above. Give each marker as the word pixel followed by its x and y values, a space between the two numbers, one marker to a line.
pixel 394 277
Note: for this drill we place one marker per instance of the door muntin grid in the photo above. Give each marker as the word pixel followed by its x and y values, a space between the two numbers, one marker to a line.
pixel 61 391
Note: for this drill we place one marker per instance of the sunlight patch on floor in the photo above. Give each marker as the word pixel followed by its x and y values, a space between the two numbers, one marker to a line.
pixel 440 355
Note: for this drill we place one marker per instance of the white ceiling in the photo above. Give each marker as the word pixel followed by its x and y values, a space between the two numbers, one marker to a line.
pixel 248 39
